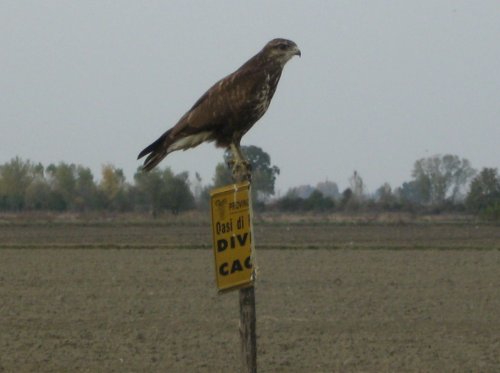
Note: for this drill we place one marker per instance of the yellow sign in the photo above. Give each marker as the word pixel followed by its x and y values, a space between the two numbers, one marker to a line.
pixel 232 236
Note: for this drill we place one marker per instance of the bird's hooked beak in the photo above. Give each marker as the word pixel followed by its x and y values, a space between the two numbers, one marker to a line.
pixel 297 52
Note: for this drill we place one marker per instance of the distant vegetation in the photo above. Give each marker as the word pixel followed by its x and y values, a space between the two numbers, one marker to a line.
pixel 441 183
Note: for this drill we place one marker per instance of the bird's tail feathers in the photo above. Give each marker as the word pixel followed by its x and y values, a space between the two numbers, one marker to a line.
pixel 157 151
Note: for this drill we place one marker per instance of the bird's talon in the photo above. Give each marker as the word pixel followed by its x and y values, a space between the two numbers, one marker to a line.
pixel 241 170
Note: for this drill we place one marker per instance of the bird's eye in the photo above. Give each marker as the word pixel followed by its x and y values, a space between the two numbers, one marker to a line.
pixel 283 47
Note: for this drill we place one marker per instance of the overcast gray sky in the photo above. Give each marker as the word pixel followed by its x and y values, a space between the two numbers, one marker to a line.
pixel 380 83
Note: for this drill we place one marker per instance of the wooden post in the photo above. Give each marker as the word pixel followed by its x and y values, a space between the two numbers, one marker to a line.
pixel 247 329
pixel 247 301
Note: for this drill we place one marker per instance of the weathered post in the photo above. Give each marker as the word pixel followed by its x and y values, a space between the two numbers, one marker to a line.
pixel 247 329
pixel 231 210
pixel 248 319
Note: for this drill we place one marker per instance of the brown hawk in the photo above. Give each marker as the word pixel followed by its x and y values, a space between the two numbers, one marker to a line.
pixel 229 108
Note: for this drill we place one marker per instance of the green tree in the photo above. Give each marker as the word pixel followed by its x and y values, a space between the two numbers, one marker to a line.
pixel 177 195
pixel 62 181
pixel 409 195
pixel 317 202
pixel 290 202
pixel 439 178
pixel 263 173
pixel 86 190
pixel 222 175
pixel 15 178
pixel 113 188
pixel 148 190
pixel 484 193
pixel 385 198
pixel 348 201
pixel 160 190
pixel 38 192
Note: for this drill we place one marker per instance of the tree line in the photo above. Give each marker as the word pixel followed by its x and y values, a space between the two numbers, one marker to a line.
pixel 440 183
pixel 26 186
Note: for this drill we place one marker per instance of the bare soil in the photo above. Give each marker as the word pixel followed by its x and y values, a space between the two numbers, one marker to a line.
pixel 330 298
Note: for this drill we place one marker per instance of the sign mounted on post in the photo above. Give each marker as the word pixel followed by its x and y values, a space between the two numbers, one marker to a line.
pixel 232 236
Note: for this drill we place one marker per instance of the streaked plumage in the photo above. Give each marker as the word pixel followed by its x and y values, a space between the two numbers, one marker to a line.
pixel 229 108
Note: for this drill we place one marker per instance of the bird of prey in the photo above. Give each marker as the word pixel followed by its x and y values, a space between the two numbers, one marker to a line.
pixel 229 108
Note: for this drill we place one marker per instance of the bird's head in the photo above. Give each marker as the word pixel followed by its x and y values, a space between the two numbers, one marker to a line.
pixel 281 50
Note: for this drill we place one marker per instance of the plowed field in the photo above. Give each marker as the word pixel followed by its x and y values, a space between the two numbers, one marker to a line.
pixel 330 297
